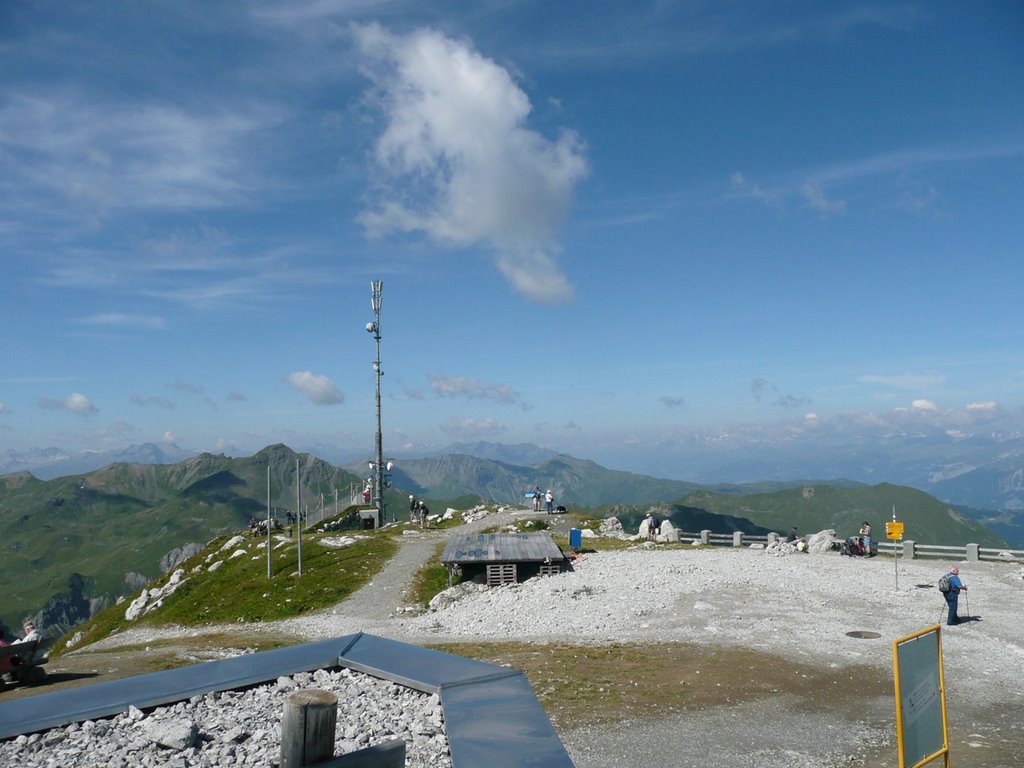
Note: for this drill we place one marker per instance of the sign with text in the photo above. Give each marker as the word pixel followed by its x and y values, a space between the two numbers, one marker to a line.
pixel 921 731
pixel 894 530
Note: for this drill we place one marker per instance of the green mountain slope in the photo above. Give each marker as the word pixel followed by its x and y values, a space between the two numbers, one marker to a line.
pixel 817 507
pixel 107 531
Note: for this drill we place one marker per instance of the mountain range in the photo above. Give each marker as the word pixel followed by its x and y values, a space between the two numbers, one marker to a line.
pixel 982 471
pixel 72 544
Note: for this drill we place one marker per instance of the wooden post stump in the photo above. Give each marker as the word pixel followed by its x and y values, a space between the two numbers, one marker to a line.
pixel 307 728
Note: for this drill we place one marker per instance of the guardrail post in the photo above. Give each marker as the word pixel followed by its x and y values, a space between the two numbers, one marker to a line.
pixel 737 538
pixel 909 549
pixel 973 555
pixel 773 537
pixel 705 537
pixel 307 728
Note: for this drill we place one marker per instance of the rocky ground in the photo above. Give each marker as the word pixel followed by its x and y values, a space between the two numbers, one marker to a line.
pixel 795 612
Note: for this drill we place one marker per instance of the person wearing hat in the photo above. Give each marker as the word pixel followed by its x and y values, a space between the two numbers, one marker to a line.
pixel 30 633
pixel 955 585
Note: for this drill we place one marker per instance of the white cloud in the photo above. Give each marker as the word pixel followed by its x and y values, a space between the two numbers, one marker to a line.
pixel 458 162
pixel 816 199
pixel 319 389
pixel 470 428
pixel 924 405
pixel 989 406
pixel 454 386
pixel 74 403
pixel 104 156
pixel 906 380
pixel 169 437
pixel 118 319
pixel 746 188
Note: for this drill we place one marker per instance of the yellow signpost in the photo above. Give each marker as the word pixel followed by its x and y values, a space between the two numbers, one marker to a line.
pixel 894 531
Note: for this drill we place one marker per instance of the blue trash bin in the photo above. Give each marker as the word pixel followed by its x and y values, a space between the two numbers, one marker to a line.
pixel 575 538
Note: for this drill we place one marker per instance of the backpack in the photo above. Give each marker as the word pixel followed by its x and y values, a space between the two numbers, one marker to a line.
pixel 944 584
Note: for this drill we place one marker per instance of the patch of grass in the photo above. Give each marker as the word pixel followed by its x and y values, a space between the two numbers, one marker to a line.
pixel 592 685
pixel 239 591
pixel 429 580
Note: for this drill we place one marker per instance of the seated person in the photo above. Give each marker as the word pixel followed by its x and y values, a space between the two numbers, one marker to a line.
pixel 30 633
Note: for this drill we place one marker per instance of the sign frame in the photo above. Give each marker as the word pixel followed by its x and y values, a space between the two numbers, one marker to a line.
pixel 922 733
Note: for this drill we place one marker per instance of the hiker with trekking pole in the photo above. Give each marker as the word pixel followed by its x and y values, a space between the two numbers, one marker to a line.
pixel 950 586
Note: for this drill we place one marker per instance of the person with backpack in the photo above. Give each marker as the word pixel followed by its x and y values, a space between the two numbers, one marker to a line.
pixel 950 586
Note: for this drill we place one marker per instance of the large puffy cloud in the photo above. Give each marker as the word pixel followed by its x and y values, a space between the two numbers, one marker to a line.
pixel 458 163
pixel 319 389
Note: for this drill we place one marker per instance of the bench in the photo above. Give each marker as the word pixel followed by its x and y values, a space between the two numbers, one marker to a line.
pixel 27 660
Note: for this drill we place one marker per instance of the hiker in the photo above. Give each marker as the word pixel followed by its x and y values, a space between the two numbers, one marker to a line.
pixel 413 509
pixel 950 586
pixel 549 499
pixel 423 511
pixel 865 534
pixel 536 498
pixel 793 536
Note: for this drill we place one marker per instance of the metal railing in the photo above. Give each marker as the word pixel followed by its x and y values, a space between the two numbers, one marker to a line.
pixel 906 548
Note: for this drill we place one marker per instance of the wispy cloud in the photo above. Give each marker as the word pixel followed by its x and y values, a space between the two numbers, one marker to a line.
pixel 760 387
pixel 75 403
pixel 500 185
pixel 146 402
pixel 186 386
pixel 816 199
pixel 122 320
pixel 472 428
pixel 319 389
pixel 671 402
pixel 909 381
pixel 470 388
pixel 100 157
pixel 744 187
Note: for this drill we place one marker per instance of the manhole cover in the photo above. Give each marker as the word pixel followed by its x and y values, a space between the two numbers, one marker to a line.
pixel 863 634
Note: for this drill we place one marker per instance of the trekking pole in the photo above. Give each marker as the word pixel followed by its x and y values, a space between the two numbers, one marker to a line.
pixel 967 605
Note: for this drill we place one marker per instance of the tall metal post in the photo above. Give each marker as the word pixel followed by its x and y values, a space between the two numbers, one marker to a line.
pixel 269 526
pixel 376 287
pixel 298 513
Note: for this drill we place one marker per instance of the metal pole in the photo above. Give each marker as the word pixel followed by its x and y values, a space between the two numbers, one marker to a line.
pixel 376 289
pixel 268 521
pixel 298 512
pixel 895 554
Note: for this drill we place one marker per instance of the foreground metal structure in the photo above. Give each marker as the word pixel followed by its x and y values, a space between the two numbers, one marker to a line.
pixel 491 714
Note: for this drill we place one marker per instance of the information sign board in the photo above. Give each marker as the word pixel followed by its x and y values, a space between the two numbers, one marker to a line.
pixel 921 732
pixel 894 530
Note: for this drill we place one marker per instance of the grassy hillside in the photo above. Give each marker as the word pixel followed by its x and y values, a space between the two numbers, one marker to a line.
pixel 222 586
pixel 121 520
pixel 815 507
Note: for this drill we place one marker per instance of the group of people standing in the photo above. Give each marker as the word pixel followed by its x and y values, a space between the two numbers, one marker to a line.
pixel 418 510
pixel 547 498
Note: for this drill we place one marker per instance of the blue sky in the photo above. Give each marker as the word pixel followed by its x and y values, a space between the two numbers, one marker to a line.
pixel 610 229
